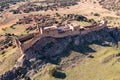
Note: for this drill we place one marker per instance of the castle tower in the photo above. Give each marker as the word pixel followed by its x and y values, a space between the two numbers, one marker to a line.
pixel 18 44
pixel 40 29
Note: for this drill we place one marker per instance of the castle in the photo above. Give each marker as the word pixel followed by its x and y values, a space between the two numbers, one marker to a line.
pixel 69 29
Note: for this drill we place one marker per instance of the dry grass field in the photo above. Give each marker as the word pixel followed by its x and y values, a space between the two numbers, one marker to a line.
pixel 101 67
pixel 8 60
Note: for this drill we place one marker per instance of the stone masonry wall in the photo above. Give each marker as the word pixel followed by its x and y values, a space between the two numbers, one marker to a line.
pixel 58 35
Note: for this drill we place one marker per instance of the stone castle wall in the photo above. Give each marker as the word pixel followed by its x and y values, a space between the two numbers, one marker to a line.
pixel 56 34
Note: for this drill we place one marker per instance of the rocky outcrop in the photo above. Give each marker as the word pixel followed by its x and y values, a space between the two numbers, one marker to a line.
pixel 37 56
pixel 115 33
pixel 55 46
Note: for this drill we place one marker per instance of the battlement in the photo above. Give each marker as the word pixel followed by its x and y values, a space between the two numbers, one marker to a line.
pixel 58 32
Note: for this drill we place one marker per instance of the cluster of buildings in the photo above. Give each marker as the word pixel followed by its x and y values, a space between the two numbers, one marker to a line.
pixel 54 30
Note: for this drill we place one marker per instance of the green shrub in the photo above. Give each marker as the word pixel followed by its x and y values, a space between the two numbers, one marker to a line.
pixel 3 52
pixel 14 46
pixel 6 46
pixel 56 73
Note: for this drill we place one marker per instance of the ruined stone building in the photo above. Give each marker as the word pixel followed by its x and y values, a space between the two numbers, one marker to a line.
pixel 70 29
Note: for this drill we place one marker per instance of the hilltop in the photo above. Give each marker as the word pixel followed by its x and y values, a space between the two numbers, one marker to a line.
pixel 59 39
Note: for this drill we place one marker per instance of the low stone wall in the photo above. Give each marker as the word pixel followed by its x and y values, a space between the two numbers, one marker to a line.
pixel 30 43
pixel 25 38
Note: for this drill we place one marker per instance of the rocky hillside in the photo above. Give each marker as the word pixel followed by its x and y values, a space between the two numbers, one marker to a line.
pixel 113 5
pixel 45 5
pixel 39 55
pixel 5 4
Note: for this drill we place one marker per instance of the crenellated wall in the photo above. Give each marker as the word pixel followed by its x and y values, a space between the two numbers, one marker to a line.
pixel 54 33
